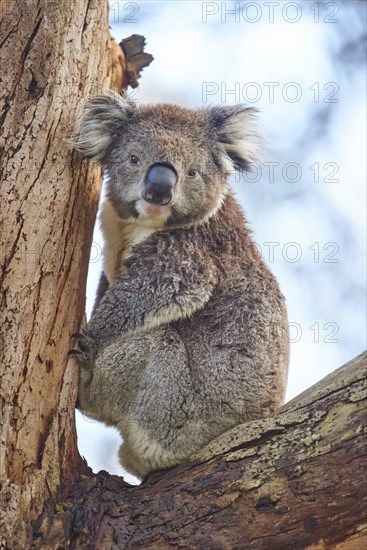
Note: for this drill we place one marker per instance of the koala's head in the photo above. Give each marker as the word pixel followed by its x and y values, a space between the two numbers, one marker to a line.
pixel 167 165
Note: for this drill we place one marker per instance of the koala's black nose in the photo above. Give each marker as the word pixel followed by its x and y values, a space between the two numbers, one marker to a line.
pixel 159 183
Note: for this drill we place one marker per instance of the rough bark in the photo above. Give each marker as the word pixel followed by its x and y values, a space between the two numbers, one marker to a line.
pixel 48 206
pixel 294 481
pixel 53 56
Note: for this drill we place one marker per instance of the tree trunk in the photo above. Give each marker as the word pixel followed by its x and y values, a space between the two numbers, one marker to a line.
pixel 294 481
pixel 55 54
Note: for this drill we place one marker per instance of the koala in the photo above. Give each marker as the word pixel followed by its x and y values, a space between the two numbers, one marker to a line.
pixel 189 334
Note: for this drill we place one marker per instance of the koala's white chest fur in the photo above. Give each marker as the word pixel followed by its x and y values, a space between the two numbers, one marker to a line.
pixel 120 236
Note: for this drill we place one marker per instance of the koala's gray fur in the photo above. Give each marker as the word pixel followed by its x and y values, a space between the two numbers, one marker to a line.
pixel 191 335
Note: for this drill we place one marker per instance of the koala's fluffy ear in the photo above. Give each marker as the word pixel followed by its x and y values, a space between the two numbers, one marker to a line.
pixel 103 117
pixel 237 129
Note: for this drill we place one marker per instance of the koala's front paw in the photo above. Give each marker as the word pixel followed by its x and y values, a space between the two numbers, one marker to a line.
pixel 86 352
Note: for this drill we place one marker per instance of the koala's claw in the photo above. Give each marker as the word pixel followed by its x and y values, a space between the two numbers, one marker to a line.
pixel 84 334
pixel 84 339
pixel 87 349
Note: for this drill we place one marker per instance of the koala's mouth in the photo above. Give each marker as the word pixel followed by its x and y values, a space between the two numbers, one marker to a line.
pixel 152 210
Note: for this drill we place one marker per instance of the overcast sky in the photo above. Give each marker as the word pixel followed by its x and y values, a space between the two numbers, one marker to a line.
pixel 302 65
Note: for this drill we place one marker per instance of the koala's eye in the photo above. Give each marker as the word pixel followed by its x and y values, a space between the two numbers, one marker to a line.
pixel 134 160
pixel 192 173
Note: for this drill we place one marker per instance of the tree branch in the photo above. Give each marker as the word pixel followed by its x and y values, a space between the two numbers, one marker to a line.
pixel 136 58
pixel 293 481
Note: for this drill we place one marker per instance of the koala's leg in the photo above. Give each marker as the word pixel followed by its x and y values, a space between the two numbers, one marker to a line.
pixel 142 384
pixel 112 378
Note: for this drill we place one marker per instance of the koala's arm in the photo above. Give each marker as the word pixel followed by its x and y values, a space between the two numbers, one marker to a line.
pixel 155 289
pixel 101 290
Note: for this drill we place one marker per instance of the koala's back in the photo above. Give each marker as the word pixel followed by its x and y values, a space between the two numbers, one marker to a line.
pixel 240 338
pixel 185 382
